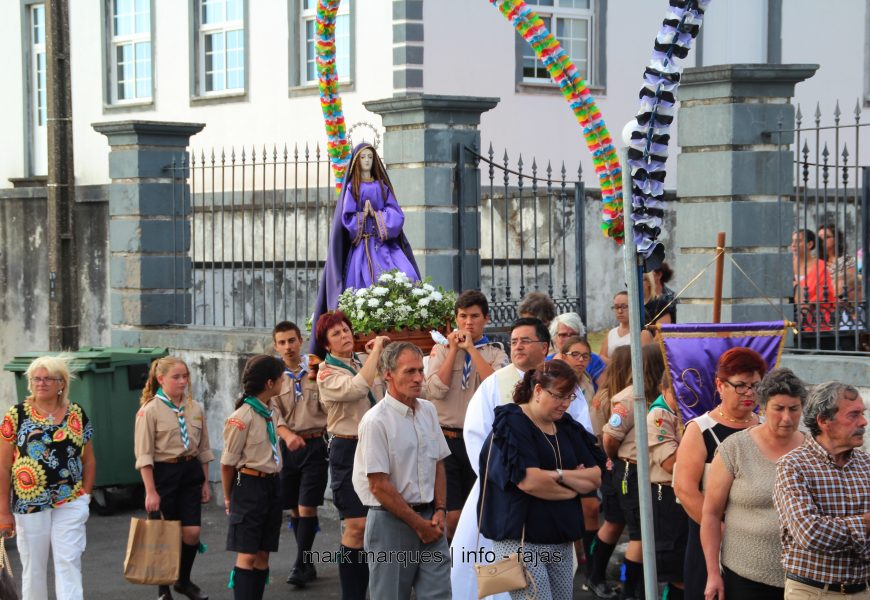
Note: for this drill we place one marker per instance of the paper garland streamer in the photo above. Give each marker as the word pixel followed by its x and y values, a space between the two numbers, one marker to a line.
pixel 337 145
pixel 547 48
pixel 648 149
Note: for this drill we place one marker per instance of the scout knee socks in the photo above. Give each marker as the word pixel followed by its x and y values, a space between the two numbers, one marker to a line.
pixel 244 584
pixel 633 580
pixel 588 539
pixel 306 529
pixel 188 554
pixel 353 573
pixel 261 577
pixel 601 553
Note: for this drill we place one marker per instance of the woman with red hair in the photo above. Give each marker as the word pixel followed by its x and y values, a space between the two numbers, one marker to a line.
pixel 737 374
pixel 348 386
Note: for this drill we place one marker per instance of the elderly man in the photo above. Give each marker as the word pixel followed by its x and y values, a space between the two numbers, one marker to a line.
pixel 822 495
pixel 529 343
pixel 399 474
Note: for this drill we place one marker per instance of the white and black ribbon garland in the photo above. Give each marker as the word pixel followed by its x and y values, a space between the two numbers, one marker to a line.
pixel 648 148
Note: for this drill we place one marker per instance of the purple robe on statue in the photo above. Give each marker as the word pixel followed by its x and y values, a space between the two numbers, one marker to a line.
pixel 362 246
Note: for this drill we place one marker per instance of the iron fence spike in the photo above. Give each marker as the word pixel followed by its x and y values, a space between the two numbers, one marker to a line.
pixel 857 110
pixel 837 112
pixel 818 114
pixel 798 114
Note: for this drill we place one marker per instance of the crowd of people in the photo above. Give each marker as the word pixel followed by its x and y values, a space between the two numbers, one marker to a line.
pixel 526 453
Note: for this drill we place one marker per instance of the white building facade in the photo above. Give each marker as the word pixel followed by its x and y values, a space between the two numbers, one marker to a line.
pixel 245 68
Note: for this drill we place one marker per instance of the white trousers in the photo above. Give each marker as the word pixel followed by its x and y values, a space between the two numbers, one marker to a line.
pixel 62 530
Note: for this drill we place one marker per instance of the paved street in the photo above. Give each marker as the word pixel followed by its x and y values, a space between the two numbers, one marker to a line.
pixel 107 539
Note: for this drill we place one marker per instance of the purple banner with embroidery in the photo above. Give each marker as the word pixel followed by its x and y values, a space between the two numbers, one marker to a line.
pixel 692 353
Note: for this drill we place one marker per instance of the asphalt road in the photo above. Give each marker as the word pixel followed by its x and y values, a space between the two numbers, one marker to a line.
pixel 102 563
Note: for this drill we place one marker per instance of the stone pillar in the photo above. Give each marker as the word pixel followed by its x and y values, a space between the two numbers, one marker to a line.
pixel 148 223
pixel 423 142
pixel 730 177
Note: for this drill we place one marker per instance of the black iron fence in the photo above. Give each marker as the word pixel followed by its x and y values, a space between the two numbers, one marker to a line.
pixel 831 214
pixel 258 230
pixel 531 234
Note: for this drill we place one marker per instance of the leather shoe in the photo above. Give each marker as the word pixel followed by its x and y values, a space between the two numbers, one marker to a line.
pixel 190 589
pixel 163 593
pixel 302 575
pixel 602 591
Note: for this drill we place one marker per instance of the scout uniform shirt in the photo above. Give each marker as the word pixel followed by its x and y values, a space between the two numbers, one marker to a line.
pixel 346 395
pixel 452 401
pixel 664 432
pixel 302 414
pixel 157 436
pixel 246 441
pixel 621 424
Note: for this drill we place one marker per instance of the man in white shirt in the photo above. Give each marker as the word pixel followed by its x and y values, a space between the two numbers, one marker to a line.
pixel 529 343
pixel 399 474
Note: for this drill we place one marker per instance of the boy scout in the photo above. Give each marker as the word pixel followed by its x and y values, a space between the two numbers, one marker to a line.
pixel 305 462
pixel 455 372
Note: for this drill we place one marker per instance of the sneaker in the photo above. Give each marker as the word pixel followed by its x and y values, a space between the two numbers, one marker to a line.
pixel 602 590
pixel 302 575
pixel 190 589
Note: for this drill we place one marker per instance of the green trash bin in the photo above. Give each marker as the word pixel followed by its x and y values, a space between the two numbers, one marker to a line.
pixel 107 384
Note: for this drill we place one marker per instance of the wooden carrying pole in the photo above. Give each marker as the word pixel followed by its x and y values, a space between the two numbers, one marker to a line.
pixel 720 266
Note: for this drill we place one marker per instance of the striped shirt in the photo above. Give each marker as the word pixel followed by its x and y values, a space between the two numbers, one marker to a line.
pixel 824 537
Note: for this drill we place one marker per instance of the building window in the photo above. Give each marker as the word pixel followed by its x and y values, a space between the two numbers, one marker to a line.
pixel 130 51
pixel 571 21
pixel 221 45
pixel 308 39
pixel 37 105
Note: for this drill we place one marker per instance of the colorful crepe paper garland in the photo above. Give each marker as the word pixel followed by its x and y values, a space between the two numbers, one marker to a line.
pixel 547 48
pixel 337 145
pixel 648 148
pixel 555 60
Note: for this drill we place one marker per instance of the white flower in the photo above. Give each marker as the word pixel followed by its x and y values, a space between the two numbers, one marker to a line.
pixel 424 313
pixel 361 292
pixel 360 302
pixel 360 315
pixel 379 312
pixel 374 303
pixel 428 287
pixel 389 304
pixel 401 276
pixel 380 291
pixel 401 300
pixel 418 292
pixel 424 302
pixel 436 296
pixel 385 277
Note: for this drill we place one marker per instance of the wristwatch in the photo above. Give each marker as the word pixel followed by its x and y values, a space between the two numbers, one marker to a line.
pixel 559 478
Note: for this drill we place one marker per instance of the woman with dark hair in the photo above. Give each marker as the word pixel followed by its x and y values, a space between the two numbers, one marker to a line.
pixel 250 464
pixel 349 386
pixel 741 477
pixel 738 371
pixel 619 335
pixel 172 454
pixel 536 462
pixel 616 377
pixel 621 447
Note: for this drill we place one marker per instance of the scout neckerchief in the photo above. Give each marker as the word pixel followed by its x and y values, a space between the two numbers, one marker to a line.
pixel 332 361
pixel 264 412
pixel 297 379
pixel 178 410
pixel 466 369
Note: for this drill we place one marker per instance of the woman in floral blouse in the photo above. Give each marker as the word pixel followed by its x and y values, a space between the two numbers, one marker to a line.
pixel 47 461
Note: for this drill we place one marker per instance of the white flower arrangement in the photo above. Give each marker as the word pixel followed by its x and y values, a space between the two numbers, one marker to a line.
pixel 411 305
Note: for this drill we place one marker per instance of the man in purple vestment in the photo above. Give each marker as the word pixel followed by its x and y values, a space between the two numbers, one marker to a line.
pixel 366 237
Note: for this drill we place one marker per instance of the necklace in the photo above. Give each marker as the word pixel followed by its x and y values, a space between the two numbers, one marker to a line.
pixel 732 419
pixel 52 415
pixel 557 452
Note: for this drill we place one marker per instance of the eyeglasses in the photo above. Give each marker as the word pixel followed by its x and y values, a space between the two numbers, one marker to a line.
pixel 564 334
pixel 581 355
pixel 39 380
pixel 742 388
pixel 618 307
pixel 525 342
pixel 567 398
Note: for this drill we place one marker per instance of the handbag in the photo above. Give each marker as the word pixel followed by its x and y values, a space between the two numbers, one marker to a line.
pixel 153 551
pixel 507 574
pixel 7 582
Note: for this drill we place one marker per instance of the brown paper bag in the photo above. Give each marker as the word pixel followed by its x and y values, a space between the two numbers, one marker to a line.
pixel 153 551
